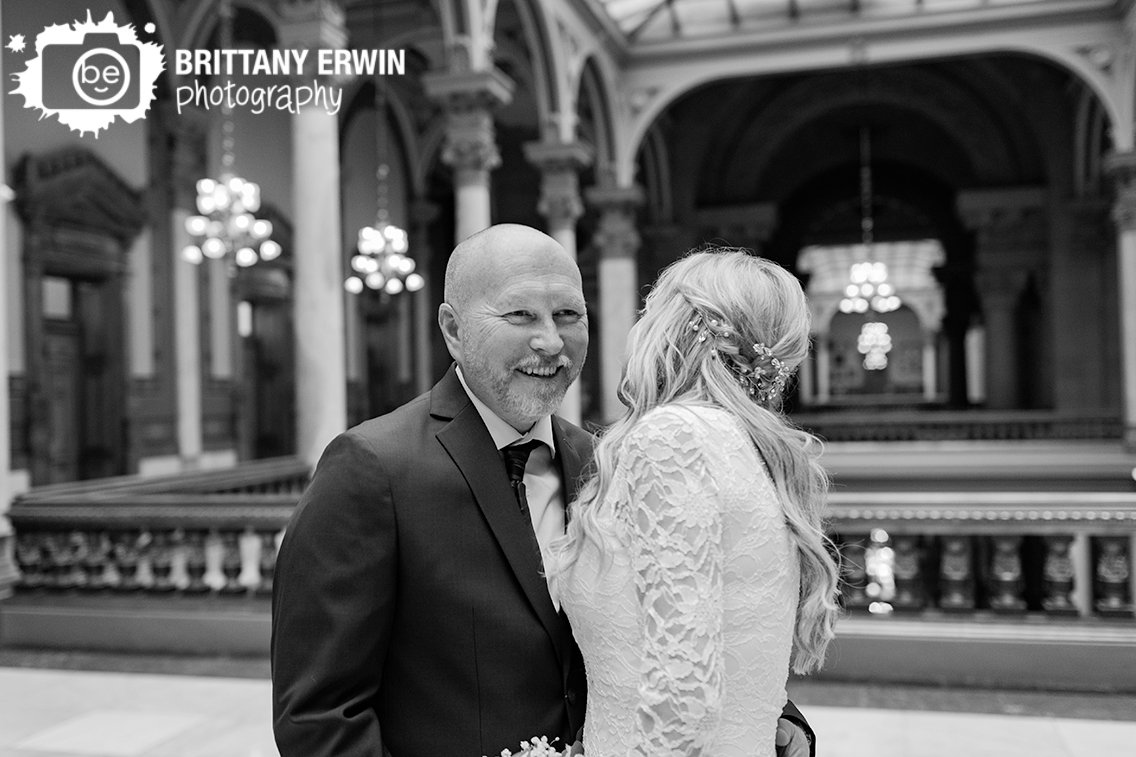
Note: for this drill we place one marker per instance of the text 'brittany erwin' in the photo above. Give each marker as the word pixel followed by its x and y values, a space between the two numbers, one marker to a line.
pixel 327 62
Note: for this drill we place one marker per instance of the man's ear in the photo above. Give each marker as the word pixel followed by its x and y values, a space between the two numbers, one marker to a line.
pixel 448 323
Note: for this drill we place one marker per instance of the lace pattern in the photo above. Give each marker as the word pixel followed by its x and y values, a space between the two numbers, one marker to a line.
pixel 686 630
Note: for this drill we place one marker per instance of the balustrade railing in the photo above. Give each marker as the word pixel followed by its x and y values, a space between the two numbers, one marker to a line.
pixel 983 554
pixel 1031 555
pixel 204 532
pixel 853 425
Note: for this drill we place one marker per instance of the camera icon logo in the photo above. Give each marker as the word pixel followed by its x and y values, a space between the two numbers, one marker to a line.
pixel 91 73
pixel 97 73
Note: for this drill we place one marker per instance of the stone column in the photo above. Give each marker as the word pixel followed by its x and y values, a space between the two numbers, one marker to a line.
pixel 805 383
pixel 188 132
pixel 7 563
pixel 930 366
pixel 422 214
pixel 561 205
pixel 468 100
pixel 1123 168
pixel 1000 291
pixel 1011 241
pixel 318 293
pixel 823 370
pixel 617 240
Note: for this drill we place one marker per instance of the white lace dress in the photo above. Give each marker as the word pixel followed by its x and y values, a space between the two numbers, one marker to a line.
pixel 686 632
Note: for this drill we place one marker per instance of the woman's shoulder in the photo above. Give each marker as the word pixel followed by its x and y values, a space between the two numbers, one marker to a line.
pixel 690 420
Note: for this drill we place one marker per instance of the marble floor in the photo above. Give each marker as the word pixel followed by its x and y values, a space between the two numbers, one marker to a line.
pixel 69 706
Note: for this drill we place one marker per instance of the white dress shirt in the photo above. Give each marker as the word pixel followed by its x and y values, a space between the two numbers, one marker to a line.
pixel 543 488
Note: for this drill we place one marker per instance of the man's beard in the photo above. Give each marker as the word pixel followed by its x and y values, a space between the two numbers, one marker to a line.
pixel 529 405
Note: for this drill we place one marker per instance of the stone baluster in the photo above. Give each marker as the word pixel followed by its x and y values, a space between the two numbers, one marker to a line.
pixel 30 560
pixel 1058 576
pixel 127 556
pixel 854 571
pixel 1111 591
pixel 907 570
pixel 956 576
pixel 1005 581
pixel 98 562
pixel 195 562
pixel 231 562
pixel 162 562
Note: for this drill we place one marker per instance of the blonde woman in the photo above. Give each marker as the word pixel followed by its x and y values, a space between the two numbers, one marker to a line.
pixel 695 570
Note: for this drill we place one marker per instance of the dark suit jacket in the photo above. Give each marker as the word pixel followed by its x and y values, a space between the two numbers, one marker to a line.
pixel 408 609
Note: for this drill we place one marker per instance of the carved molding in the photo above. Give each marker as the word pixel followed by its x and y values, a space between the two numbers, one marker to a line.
pixel 72 188
pixel 559 163
pixel 616 235
pixel 1121 168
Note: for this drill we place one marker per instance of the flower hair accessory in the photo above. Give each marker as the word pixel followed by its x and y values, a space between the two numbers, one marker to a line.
pixel 757 368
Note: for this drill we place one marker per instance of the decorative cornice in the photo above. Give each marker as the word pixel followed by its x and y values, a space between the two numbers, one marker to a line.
pixel 463 90
pixel 72 187
pixel 1121 168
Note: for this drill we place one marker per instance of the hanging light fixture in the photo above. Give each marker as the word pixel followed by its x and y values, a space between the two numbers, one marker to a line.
pixel 382 260
pixel 868 286
pixel 226 224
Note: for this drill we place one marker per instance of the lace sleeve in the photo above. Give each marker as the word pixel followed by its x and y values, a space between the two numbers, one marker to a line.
pixel 675 531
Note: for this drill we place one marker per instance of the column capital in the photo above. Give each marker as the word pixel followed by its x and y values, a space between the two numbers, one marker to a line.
pixel 471 141
pixel 1121 167
pixel 1008 223
pixel 462 90
pixel 551 156
pixel 312 24
pixel 1001 207
pixel 559 163
pixel 616 235
pixel 623 199
pixel 1000 288
pixel 468 99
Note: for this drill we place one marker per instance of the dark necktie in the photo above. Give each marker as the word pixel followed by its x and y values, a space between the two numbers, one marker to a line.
pixel 516 456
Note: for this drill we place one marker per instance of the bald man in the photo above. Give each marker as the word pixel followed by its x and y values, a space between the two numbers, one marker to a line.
pixel 410 613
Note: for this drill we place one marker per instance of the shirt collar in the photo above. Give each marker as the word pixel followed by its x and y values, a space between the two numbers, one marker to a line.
pixel 503 434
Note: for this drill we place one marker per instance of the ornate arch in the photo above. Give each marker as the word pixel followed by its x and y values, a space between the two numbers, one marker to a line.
pixel 935 97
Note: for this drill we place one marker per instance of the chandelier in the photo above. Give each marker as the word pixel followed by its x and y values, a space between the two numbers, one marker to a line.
pixel 868 286
pixel 226 225
pixel 382 260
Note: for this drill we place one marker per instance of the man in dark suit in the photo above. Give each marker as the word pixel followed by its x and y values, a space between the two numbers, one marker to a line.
pixel 410 613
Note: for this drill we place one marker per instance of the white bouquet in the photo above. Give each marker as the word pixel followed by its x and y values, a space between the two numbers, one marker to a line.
pixel 538 747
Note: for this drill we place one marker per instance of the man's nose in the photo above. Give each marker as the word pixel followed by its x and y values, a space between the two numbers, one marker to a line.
pixel 547 338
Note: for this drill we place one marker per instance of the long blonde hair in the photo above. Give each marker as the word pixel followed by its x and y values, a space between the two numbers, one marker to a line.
pixel 738 300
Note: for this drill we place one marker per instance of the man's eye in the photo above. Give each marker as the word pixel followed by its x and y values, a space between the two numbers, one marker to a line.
pixel 518 316
pixel 568 316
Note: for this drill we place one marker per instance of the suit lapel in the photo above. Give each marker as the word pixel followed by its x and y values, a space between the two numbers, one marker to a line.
pixel 469 444
pixel 572 456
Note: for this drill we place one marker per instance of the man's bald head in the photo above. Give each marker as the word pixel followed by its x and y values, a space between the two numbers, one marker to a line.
pixel 481 259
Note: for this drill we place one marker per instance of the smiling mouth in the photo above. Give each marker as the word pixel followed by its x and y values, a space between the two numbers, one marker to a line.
pixel 540 373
